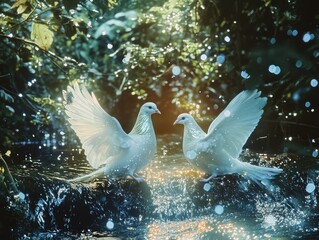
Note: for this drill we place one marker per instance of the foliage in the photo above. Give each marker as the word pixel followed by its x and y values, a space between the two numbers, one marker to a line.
pixel 274 46
pixel 189 55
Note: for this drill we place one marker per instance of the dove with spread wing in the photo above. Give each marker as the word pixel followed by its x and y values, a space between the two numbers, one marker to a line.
pixel 108 149
pixel 217 151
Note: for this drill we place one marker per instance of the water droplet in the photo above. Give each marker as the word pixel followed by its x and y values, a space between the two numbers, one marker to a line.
pixel 176 70
pixel 110 224
pixel 109 45
pixel 295 33
pixel 220 58
pixel 306 37
pixel 227 39
pixel 273 40
pixel 272 68
pixel 298 64
pixel 203 57
pixel 219 209
pixel 277 70
pixel 310 187
pixel 314 83
pixel 244 74
pixel 307 104
pixel 207 187
pixel 315 153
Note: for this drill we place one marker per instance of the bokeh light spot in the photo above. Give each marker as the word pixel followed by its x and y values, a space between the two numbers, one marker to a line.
pixel 219 209
pixel 298 64
pixel 244 74
pixel 310 187
pixel 307 104
pixel 294 33
pixel 207 187
pixel 314 83
pixel 110 224
pixel 203 57
pixel 274 69
pixel 220 58
pixel 306 37
pixel 176 70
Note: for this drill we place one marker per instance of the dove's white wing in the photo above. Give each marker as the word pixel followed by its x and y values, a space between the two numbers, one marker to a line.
pixel 231 129
pixel 101 135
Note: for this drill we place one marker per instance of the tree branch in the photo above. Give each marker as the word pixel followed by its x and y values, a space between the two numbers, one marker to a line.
pixel 26 41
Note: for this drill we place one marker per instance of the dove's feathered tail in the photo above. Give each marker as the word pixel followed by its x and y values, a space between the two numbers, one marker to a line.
pixel 260 175
pixel 88 177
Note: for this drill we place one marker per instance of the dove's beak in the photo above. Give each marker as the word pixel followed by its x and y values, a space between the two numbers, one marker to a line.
pixel 157 111
pixel 176 122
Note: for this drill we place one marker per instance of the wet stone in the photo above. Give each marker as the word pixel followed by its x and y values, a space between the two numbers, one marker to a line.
pixel 56 204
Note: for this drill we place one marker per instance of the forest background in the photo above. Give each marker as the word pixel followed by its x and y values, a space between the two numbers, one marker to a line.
pixel 187 56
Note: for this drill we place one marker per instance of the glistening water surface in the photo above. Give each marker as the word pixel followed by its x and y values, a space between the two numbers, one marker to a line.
pixel 171 204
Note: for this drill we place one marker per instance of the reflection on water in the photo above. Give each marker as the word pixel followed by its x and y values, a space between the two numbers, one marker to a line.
pixel 206 227
pixel 172 203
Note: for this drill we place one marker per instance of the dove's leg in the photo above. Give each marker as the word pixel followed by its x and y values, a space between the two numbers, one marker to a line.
pixel 214 175
pixel 137 178
pixel 207 179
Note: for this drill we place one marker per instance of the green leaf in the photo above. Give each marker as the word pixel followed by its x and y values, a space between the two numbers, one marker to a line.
pixel 19 3
pixel 42 36
pixel 21 9
pixel 22 6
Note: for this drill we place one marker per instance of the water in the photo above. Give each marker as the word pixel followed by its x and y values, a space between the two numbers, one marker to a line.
pixel 171 204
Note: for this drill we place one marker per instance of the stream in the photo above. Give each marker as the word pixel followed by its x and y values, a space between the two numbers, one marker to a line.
pixel 172 202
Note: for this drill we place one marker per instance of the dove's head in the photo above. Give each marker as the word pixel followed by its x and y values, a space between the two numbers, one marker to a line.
pixel 149 108
pixel 183 118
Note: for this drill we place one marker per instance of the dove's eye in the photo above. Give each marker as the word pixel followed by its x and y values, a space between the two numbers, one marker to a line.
pixel 149 107
pixel 183 118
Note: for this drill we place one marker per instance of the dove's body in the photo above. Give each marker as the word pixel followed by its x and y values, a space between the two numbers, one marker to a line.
pixel 107 147
pixel 217 152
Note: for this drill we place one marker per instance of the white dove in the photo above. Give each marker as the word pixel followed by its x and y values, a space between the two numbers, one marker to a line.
pixel 107 147
pixel 217 152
